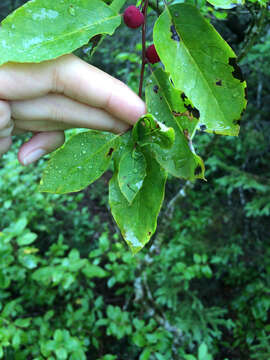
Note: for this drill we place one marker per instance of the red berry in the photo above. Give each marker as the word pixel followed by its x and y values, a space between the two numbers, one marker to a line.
pixel 133 17
pixel 152 54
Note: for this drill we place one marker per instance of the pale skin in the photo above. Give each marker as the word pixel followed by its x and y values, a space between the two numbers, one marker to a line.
pixel 47 98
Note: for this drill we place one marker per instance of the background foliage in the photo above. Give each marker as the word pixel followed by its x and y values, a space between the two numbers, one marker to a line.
pixel 70 288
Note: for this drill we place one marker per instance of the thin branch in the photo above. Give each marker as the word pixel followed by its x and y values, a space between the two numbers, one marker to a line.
pixel 146 3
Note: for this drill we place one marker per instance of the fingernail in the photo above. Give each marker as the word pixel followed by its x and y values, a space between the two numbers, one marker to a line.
pixel 33 156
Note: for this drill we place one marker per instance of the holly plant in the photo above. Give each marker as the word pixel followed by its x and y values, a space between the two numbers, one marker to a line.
pixel 194 84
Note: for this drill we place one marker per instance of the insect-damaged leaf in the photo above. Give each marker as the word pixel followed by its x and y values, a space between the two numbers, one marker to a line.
pixel 132 171
pixel 203 66
pixel 45 29
pixel 81 161
pixel 138 221
pixel 150 131
pixel 174 110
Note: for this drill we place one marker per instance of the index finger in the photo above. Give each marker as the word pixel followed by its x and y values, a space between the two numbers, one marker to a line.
pixel 74 78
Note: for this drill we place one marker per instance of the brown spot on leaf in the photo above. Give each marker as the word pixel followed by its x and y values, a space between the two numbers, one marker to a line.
pixel 194 111
pixel 110 152
pixel 149 233
pixel 183 96
pixel 186 133
pixel 198 170
pixel 186 113
pixel 219 83
pixel 155 88
pixel 175 35
pixel 237 73
pixel 171 80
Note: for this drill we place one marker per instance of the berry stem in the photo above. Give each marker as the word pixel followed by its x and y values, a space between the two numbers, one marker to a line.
pixel 146 3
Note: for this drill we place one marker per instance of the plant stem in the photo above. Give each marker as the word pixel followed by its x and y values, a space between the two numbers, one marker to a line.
pixel 146 3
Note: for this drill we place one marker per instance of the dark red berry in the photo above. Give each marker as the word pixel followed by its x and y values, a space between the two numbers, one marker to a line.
pixel 133 17
pixel 152 54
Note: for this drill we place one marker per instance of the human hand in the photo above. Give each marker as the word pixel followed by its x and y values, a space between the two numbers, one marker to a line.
pixel 50 97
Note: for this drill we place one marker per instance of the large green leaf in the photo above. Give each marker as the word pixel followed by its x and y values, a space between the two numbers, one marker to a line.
pixel 81 161
pixel 138 221
pixel 45 29
pixel 174 110
pixel 202 65
pixel 132 171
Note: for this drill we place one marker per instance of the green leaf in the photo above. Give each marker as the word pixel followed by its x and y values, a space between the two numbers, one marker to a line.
pixel 145 355
pixel 225 4
pixel 118 4
pixel 96 41
pixel 24 323
pixel 16 340
pixel 172 109
pixel 202 65
pixel 58 336
pixel 4 281
pixel 61 353
pixel 82 160
pixel 26 239
pixel 92 271
pixel 45 29
pixel 189 357
pixel 203 352
pixel 132 171
pixel 19 226
pixel 138 221
pixel 150 131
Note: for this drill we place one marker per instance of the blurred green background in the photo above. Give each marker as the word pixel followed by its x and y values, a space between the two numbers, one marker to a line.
pixel 69 286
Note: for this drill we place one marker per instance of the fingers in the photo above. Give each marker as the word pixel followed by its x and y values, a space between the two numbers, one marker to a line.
pixel 5 144
pixel 57 112
pixel 6 127
pixel 5 119
pixel 74 78
pixel 39 145
pixel 85 83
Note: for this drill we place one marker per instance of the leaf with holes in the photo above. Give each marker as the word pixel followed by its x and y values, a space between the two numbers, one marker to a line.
pixel 150 131
pixel 203 66
pixel 81 161
pixel 45 29
pixel 175 111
